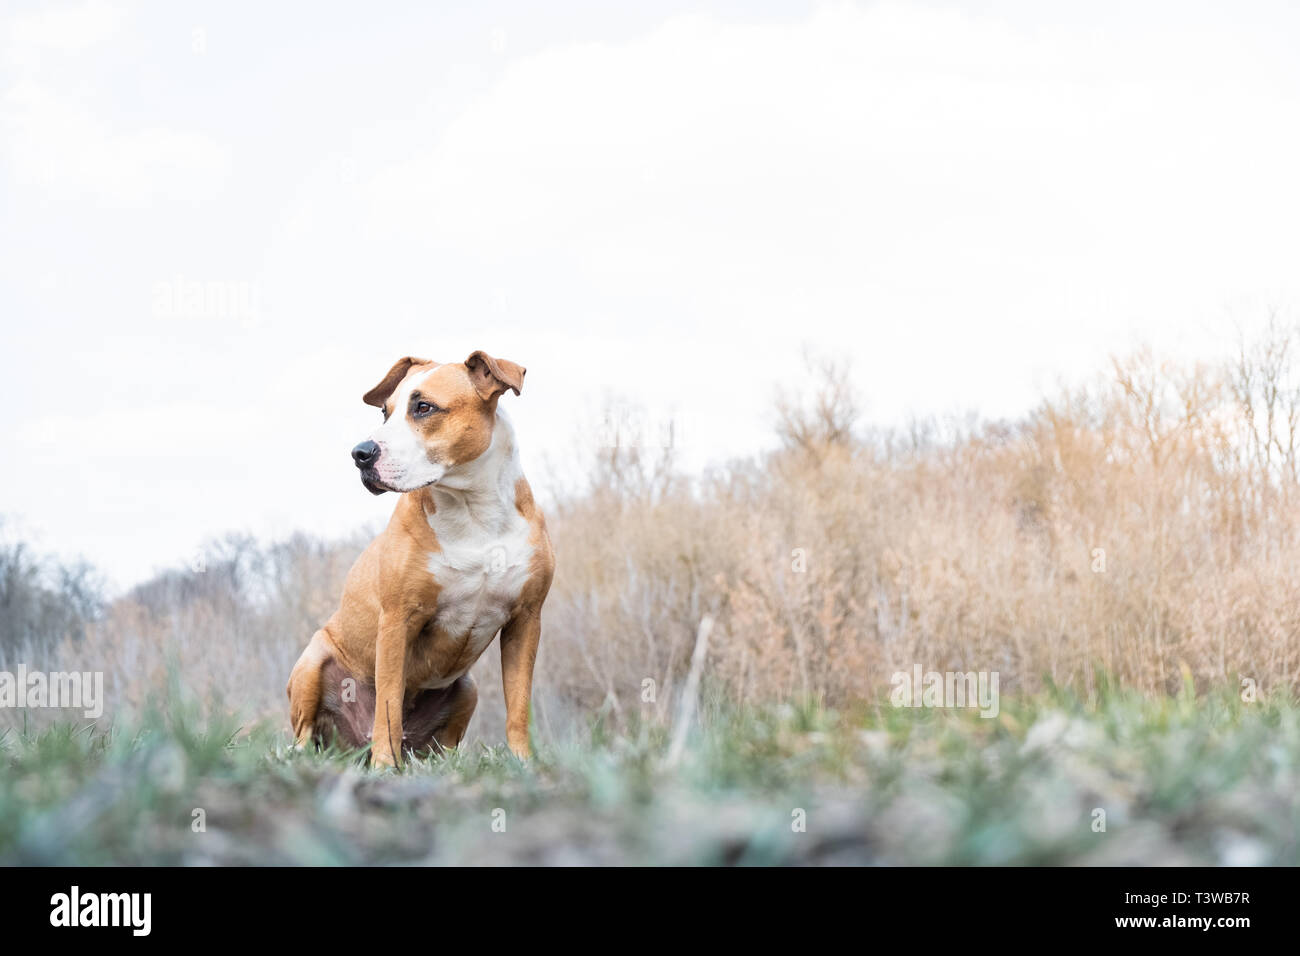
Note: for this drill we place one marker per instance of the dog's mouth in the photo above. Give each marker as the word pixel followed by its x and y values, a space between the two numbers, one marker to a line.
pixel 376 487
pixel 373 484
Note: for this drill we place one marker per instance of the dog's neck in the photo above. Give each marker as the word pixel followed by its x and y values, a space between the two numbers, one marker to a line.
pixel 480 492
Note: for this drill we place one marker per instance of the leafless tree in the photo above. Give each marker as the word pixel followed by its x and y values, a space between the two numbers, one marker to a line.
pixel 821 413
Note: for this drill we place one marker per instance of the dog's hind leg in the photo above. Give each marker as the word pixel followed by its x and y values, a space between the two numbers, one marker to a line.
pixel 436 719
pixel 304 688
pixel 459 709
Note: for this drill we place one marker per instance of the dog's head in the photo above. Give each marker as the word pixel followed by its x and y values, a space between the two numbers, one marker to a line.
pixel 436 417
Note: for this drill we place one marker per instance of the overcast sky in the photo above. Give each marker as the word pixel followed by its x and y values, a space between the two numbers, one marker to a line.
pixel 223 222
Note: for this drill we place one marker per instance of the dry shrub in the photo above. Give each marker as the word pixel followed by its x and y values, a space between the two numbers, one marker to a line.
pixel 1139 527
pixel 225 633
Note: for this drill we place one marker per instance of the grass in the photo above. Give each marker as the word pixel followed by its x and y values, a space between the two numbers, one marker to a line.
pixel 1181 780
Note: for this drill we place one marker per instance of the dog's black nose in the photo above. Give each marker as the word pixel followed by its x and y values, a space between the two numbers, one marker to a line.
pixel 365 454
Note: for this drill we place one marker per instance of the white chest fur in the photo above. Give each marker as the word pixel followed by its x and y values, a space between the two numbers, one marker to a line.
pixel 486 555
pixel 480 576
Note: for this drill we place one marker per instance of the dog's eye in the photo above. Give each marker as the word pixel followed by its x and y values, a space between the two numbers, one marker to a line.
pixel 424 408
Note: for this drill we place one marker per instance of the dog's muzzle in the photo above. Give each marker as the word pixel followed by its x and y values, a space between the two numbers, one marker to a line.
pixel 365 456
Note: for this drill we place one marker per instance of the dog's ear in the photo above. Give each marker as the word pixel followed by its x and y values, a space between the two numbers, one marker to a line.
pixel 378 395
pixel 491 376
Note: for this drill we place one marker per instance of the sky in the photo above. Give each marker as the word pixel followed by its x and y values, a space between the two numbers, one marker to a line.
pixel 220 224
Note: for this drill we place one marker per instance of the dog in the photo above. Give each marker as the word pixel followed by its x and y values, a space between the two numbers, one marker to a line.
pixel 465 555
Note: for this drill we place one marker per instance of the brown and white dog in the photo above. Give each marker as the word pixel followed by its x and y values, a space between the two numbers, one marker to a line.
pixel 465 555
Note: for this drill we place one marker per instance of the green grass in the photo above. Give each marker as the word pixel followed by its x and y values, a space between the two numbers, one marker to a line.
pixel 1182 780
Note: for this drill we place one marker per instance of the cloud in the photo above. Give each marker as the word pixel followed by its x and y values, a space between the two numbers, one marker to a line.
pixel 62 143
pixel 888 179
pixel 32 37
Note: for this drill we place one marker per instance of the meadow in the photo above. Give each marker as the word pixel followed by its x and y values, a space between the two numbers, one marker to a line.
pixel 1121 779
pixel 1122 557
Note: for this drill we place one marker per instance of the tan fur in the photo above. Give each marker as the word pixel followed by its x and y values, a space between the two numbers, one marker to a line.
pixel 383 633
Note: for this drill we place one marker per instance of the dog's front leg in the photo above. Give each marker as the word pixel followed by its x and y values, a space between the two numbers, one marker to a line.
pixel 519 640
pixel 390 689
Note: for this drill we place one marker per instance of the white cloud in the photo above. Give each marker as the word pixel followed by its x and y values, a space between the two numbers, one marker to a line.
pixel 887 179
pixel 61 143
pixel 32 37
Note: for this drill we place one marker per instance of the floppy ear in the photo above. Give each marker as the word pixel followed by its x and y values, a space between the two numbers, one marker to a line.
pixel 492 376
pixel 380 393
